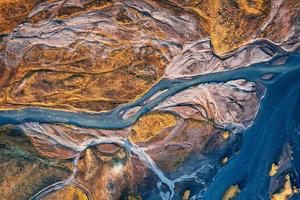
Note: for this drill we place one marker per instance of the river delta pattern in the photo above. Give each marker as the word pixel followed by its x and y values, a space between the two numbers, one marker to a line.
pixel 149 99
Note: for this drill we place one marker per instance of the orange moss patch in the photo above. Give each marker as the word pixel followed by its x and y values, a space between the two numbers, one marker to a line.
pixel 273 170
pixel 225 135
pixel 23 172
pixel 286 191
pixel 75 81
pixel 253 8
pixel 231 192
pixel 230 23
pixel 150 125
pixel 224 161
pixel 12 12
pixel 186 195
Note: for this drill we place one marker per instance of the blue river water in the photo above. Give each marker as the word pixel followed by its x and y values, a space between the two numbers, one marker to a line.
pixel 277 123
pixel 113 119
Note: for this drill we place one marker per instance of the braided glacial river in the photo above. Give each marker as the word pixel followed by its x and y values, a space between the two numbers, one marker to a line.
pixel 277 124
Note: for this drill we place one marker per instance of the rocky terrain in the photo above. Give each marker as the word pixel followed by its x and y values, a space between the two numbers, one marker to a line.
pixel 142 57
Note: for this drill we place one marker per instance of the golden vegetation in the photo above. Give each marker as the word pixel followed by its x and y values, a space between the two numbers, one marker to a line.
pixel 12 12
pixel 80 77
pixel 273 170
pixel 67 11
pixel 83 84
pixel 186 195
pixel 224 161
pixel 150 125
pixel 230 23
pixel 225 135
pixel 231 192
pixel 196 133
pixel 23 171
pixel 98 79
pixel 286 192
pixel 253 8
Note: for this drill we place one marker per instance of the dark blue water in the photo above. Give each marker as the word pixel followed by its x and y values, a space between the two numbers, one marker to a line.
pixel 276 124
